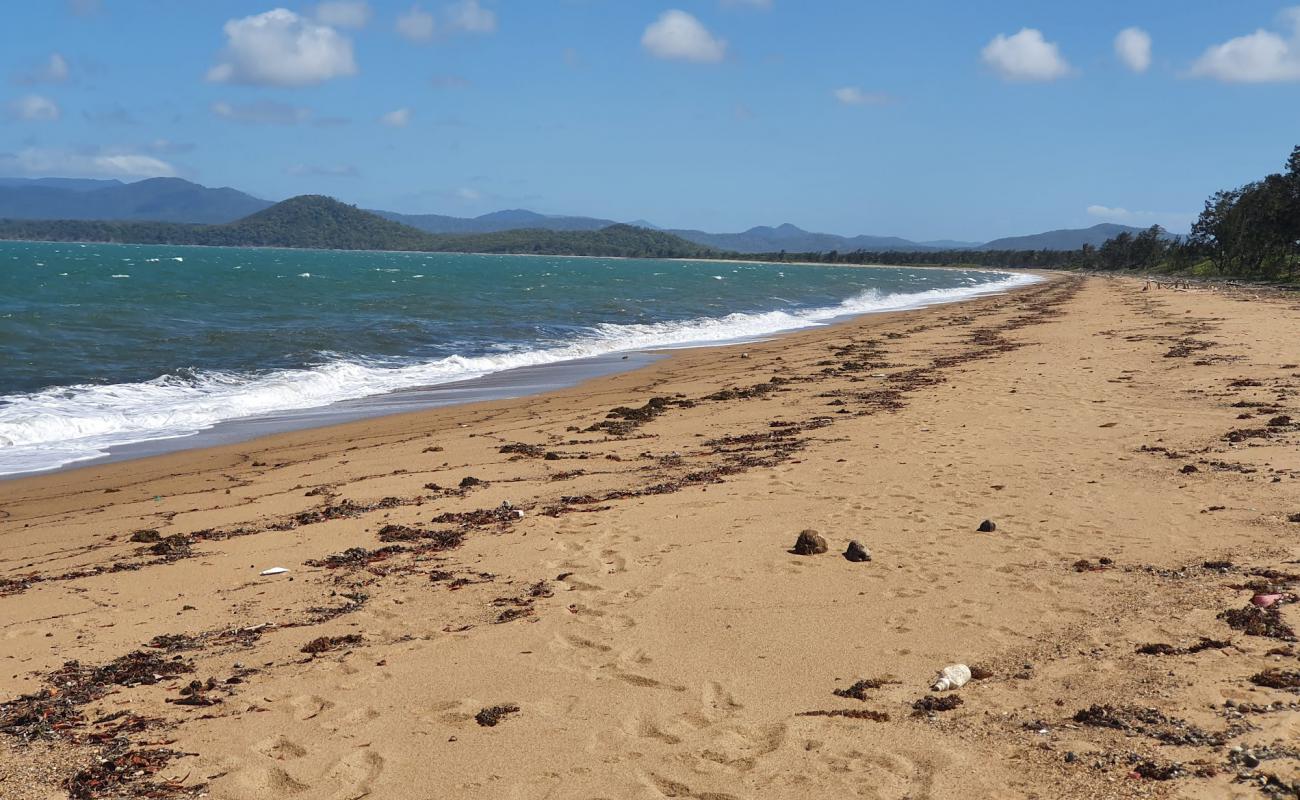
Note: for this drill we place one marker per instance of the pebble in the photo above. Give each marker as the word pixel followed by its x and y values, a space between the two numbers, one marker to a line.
pixel 856 552
pixel 988 526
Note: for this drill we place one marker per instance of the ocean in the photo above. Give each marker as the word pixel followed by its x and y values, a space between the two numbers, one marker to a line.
pixel 104 347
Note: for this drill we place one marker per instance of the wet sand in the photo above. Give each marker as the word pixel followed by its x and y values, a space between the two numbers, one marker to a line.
pixel 633 625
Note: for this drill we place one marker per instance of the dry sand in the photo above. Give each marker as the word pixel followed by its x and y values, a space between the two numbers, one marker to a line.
pixel 644 615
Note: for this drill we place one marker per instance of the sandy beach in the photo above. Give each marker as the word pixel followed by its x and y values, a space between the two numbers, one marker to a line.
pixel 590 593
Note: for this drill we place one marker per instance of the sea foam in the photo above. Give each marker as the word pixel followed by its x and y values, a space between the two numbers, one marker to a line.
pixel 58 426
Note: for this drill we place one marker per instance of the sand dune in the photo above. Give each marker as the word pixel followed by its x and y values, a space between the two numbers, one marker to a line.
pixel 640 626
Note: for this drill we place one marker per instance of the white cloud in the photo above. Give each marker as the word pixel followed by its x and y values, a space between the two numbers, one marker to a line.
pixel 262 112
pixel 54 69
pixel 1261 57
pixel 35 108
pixel 1133 47
pixel 677 36
pixel 54 163
pixel 344 13
pixel 470 17
pixel 854 96
pixel 280 48
pixel 398 118
pixel 416 24
pixel 1026 56
pixel 469 195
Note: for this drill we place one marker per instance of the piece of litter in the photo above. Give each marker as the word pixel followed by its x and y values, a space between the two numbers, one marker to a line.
pixel 274 571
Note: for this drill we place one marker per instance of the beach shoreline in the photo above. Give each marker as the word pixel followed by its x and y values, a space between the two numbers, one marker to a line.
pixel 502 384
pixel 605 568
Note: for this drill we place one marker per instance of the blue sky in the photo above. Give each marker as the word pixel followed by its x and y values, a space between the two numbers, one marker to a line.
pixel 923 119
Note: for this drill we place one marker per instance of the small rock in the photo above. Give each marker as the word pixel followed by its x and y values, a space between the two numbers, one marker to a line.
pixel 809 543
pixel 856 552
pixel 1070 757
pixel 987 526
pixel 1188 469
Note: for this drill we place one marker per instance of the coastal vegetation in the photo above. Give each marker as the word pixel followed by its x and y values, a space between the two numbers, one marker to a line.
pixel 317 222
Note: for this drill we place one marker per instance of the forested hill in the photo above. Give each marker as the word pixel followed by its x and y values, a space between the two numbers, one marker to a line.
pixel 317 222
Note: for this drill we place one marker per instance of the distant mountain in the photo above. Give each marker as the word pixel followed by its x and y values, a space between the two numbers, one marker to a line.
pixel 180 201
pixel 1066 239
pixel 497 221
pixel 765 239
pixel 317 222
pixel 155 199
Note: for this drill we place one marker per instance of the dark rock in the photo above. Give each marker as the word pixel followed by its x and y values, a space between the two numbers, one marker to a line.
pixel 987 526
pixel 809 543
pixel 146 536
pixel 1188 469
pixel 491 717
pixel 857 553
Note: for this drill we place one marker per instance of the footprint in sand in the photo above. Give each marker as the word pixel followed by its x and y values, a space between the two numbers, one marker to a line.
pixel 307 706
pixel 280 748
pixel 355 774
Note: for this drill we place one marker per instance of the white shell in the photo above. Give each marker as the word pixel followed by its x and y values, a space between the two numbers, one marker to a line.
pixel 274 571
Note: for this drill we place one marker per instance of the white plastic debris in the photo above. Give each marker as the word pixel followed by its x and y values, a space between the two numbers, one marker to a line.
pixel 953 676
pixel 274 571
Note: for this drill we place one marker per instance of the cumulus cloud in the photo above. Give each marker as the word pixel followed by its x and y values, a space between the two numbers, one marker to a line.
pixel 417 25
pixel 56 163
pixel 398 118
pixel 678 36
pixel 1261 57
pixel 470 17
pixel 1133 47
pixel 344 13
pixel 35 108
pixel 54 69
pixel 262 112
pixel 1026 56
pixel 280 48
pixel 855 96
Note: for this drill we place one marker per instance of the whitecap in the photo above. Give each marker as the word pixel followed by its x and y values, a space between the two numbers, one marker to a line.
pixel 61 425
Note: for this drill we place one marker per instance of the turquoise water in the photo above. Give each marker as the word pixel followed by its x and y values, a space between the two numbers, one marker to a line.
pixel 105 345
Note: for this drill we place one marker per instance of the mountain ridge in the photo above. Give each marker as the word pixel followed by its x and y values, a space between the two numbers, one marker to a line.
pixel 176 200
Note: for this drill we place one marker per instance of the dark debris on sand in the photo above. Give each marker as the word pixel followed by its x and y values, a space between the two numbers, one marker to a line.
pixel 325 644
pixel 491 717
pixel 1255 621
pixel 858 691
pixel 1151 723
pixel 931 704
pixel 848 713
pixel 356 557
pixel 1162 649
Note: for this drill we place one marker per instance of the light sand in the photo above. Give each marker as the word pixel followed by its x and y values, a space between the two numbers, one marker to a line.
pixel 645 616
